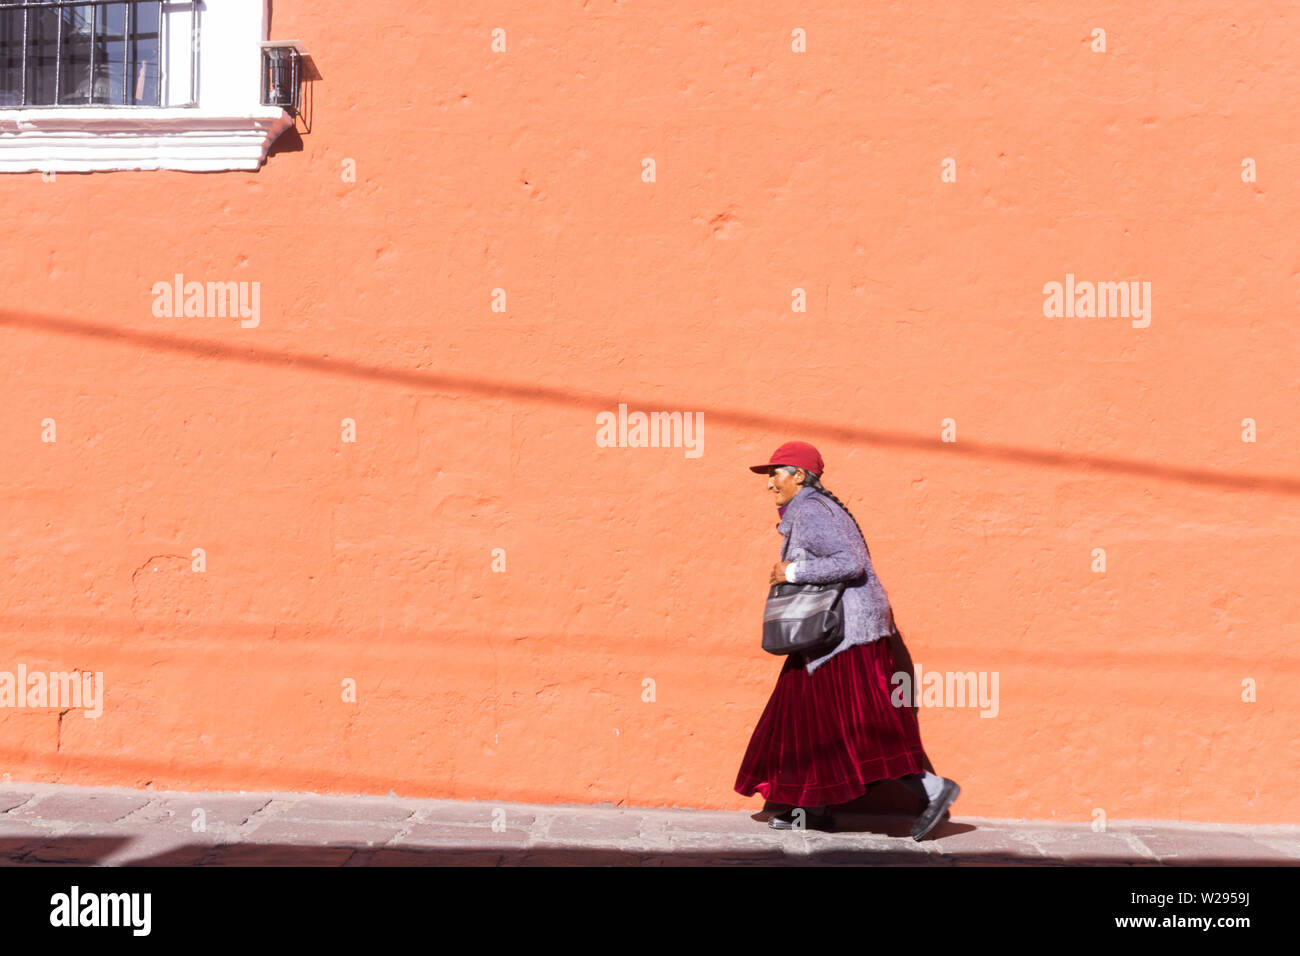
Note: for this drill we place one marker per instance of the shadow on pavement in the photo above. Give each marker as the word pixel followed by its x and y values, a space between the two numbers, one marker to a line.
pixel 91 851
pixel 53 851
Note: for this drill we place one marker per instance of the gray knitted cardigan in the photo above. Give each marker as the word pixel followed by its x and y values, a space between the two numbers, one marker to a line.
pixel 826 547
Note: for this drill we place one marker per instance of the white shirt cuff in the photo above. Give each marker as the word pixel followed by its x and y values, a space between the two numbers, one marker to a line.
pixel 789 571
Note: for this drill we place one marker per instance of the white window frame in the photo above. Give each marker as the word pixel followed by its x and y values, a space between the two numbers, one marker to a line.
pixel 226 129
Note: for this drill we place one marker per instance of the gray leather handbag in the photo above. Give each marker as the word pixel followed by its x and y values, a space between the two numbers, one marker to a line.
pixel 803 619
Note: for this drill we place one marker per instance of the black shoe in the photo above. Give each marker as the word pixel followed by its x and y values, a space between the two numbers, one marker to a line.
pixel 812 820
pixel 936 810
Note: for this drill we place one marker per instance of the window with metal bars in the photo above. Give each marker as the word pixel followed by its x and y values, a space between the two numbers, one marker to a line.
pixel 98 53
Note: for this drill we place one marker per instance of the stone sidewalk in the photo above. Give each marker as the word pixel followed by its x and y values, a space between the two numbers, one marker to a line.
pixel 48 824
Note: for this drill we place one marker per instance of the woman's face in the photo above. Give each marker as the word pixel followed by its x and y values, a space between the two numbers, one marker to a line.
pixel 783 484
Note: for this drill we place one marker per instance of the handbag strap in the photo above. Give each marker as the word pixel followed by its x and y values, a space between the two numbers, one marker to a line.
pixel 820 501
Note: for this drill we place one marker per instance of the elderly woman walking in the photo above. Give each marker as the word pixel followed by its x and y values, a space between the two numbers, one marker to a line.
pixel 829 728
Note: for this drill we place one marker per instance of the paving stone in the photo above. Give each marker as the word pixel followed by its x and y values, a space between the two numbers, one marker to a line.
pixel 714 842
pixel 1019 864
pixel 977 842
pixel 570 856
pixel 865 844
pixel 475 813
pixel 178 854
pixel 756 857
pixel 875 857
pixel 86 850
pixel 276 854
pixel 220 810
pixel 892 826
pixel 1190 847
pixel 1288 848
pixel 1080 846
pixel 169 846
pixel 601 827
pixel 427 834
pixel 689 821
pixel 20 826
pixel 11 798
pixel 83 807
pixel 310 832
pixel 15 845
pixel 389 857
pixel 341 809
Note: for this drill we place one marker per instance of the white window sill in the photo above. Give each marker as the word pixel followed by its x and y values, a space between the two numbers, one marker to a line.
pixel 93 139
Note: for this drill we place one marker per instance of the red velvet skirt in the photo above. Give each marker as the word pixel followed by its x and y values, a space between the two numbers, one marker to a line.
pixel 825 736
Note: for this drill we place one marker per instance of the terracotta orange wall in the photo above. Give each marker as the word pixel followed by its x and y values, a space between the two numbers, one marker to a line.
pixel 476 429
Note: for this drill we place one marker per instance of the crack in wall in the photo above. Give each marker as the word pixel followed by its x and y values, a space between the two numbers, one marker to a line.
pixel 156 557
pixel 58 733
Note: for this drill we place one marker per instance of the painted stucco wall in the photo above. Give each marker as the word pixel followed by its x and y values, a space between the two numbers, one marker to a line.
pixel 438 171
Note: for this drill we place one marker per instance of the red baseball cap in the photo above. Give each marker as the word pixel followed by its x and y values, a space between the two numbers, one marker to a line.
pixel 800 454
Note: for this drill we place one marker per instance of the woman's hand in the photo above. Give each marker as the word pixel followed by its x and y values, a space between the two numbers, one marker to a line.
pixel 778 572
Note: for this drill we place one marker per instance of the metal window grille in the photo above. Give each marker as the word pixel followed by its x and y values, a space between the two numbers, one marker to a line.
pixel 98 53
pixel 282 76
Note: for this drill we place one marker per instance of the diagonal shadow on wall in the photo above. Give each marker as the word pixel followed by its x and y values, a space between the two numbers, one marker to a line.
pixel 552 395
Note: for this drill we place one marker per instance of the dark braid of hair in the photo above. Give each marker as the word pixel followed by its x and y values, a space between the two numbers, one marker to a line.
pixel 815 483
